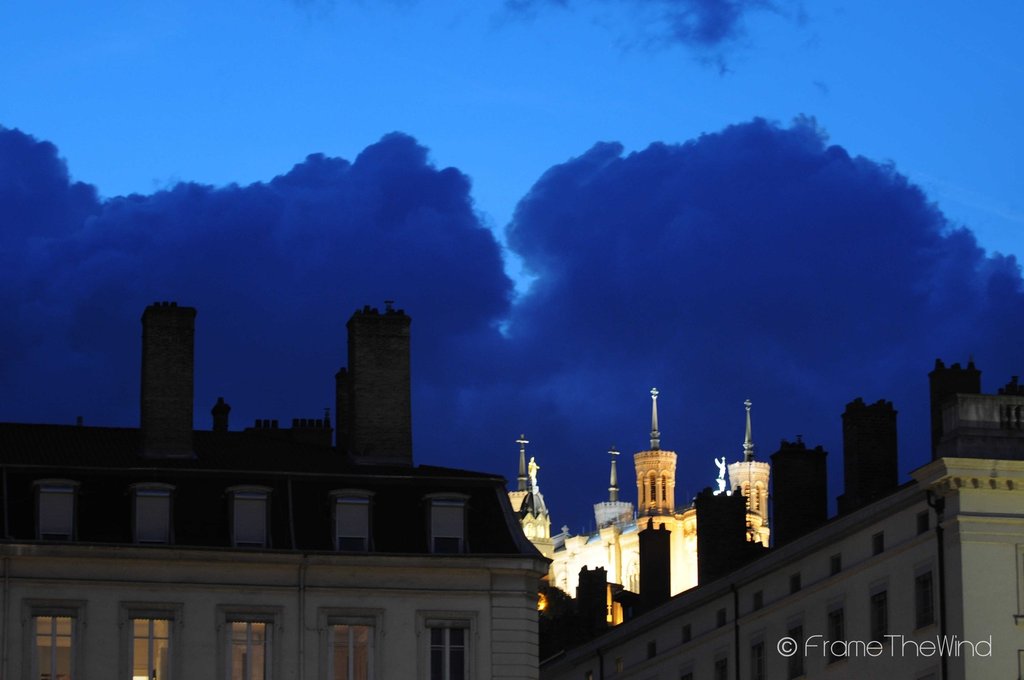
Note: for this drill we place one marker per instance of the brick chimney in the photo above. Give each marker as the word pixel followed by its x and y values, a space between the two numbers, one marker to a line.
pixel 220 412
pixel 799 490
pixel 869 453
pixel 168 333
pixel 374 408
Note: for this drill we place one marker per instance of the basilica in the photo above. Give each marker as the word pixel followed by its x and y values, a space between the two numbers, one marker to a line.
pixel 615 545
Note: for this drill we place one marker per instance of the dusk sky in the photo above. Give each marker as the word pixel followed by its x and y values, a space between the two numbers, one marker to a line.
pixel 799 204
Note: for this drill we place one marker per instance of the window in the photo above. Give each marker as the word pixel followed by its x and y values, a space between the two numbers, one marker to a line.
pixel 249 650
pixel 794 582
pixel 687 634
pixel 447 523
pixel 835 564
pixel 721 669
pixel 879 613
pixel 352 520
pixel 151 649
pixel 758 600
pixel 148 640
pixel 56 509
pixel 152 519
pixel 795 663
pixel 619 665
pixel 249 517
pixel 54 657
pixel 686 676
pixel 923 522
pixel 836 633
pixel 924 609
pixel 652 649
pixel 757 661
pixel 878 543
pixel 589 675
pixel 246 639
pixel 351 652
pixel 448 658
pixel 720 618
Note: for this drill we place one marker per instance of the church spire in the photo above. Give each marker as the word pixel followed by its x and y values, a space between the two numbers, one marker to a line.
pixel 613 483
pixel 655 434
pixel 522 441
pixel 748 440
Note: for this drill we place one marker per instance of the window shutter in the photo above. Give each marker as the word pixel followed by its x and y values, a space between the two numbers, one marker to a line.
pixel 352 522
pixel 152 516
pixel 250 523
pixel 56 511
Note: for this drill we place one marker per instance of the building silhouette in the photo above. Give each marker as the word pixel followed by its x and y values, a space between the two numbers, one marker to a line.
pixel 264 552
pixel 917 580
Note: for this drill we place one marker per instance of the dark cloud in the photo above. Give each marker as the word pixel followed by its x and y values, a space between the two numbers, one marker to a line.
pixel 274 269
pixel 756 262
pixel 696 23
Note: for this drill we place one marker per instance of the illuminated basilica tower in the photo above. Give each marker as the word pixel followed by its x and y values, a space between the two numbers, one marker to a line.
pixel 528 503
pixel 750 477
pixel 655 473
pixel 614 545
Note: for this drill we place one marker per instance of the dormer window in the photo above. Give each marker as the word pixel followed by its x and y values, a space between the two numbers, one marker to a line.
pixel 56 509
pixel 249 507
pixel 152 519
pixel 447 523
pixel 351 520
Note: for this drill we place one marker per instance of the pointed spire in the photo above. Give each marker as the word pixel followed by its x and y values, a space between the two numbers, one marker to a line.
pixel 748 440
pixel 522 441
pixel 655 434
pixel 613 483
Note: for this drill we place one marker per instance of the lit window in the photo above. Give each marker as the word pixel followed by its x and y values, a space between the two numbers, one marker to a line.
pixel 55 644
pixel 151 649
pixel 352 520
pixel 56 506
pixel 448 651
pixel 152 518
pixel 447 524
pixel 249 517
pixel 249 650
pixel 351 652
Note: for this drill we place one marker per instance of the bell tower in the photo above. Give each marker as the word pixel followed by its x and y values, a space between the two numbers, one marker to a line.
pixel 749 477
pixel 655 473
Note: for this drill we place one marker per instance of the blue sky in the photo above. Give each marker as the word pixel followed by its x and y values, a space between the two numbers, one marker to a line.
pixel 139 96
pixel 924 101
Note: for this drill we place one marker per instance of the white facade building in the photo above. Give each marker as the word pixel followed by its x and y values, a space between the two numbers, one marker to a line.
pixel 925 582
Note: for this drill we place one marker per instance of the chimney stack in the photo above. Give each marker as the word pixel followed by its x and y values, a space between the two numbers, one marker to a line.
pixel 869 453
pixel 373 393
pixel 220 413
pixel 799 491
pixel 945 383
pixel 168 333
pixel 655 565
